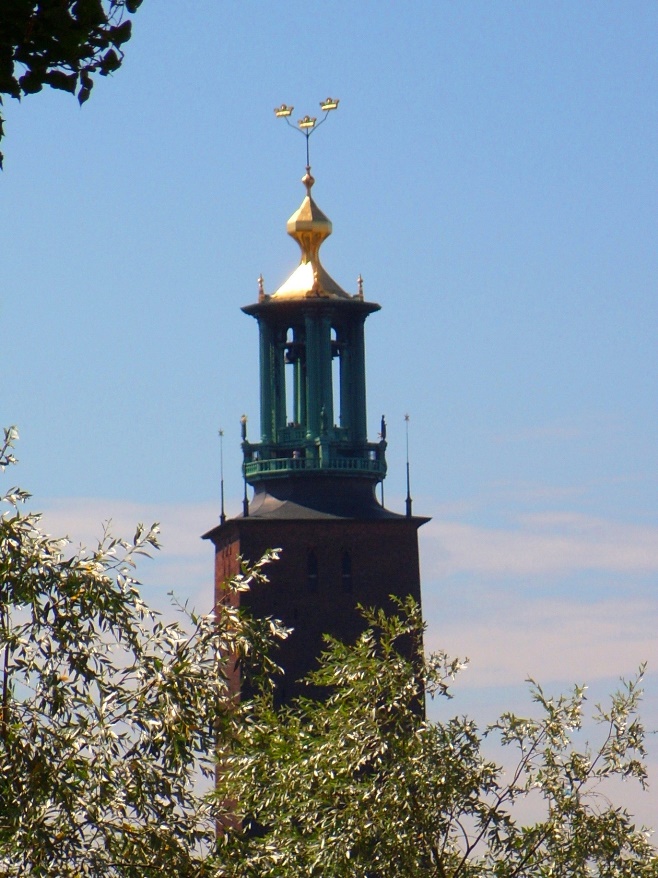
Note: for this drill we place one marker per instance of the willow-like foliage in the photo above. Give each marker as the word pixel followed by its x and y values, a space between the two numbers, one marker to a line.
pixel 109 717
pixel 361 785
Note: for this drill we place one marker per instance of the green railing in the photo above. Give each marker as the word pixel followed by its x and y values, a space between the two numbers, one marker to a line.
pixel 284 465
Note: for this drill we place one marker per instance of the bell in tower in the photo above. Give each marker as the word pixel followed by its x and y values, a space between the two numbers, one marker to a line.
pixel 313 470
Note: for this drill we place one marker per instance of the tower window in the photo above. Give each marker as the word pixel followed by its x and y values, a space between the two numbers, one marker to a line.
pixel 346 571
pixel 312 570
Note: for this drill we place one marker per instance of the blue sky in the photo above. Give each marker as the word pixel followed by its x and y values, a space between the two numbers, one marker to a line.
pixel 492 174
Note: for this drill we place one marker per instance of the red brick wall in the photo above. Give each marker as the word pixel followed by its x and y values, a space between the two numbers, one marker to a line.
pixel 384 561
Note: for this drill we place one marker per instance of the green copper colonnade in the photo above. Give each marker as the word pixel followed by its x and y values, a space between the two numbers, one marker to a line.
pixel 312 415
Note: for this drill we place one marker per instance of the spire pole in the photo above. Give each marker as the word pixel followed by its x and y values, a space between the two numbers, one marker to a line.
pixel 245 498
pixel 408 500
pixel 382 439
pixel 222 514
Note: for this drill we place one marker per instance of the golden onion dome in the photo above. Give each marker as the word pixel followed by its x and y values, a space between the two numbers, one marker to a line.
pixel 309 226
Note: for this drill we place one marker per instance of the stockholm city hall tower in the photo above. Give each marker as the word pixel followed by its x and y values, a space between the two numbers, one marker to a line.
pixel 314 472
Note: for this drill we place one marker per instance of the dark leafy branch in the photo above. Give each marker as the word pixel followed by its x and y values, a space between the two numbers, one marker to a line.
pixel 60 44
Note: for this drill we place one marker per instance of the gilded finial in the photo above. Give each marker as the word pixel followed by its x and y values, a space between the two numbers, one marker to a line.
pixel 261 288
pixel 359 281
pixel 307 124
pixel 309 226
pixel 308 180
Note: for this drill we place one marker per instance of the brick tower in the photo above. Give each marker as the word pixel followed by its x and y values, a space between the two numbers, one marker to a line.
pixel 314 472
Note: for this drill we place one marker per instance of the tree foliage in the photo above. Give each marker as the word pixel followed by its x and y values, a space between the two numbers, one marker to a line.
pixel 109 716
pixel 107 713
pixel 61 44
pixel 360 785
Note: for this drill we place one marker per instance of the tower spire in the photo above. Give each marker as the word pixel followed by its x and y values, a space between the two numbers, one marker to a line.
pixel 312 375
pixel 308 225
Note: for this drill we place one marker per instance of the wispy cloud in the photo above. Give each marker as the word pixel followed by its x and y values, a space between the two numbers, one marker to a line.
pixel 540 543
pixel 548 639
pixel 531 492
pixel 542 433
pixel 556 595
pixel 82 519
pixel 185 564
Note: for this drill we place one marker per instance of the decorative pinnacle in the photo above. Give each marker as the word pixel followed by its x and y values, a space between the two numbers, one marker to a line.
pixel 261 288
pixel 359 281
pixel 308 124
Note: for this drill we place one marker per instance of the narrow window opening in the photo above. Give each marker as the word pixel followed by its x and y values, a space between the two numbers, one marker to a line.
pixel 289 360
pixel 312 570
pixel 346 572
pixel 335 376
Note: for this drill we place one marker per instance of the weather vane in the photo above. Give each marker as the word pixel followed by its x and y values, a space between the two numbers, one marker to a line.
pixel 308 124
